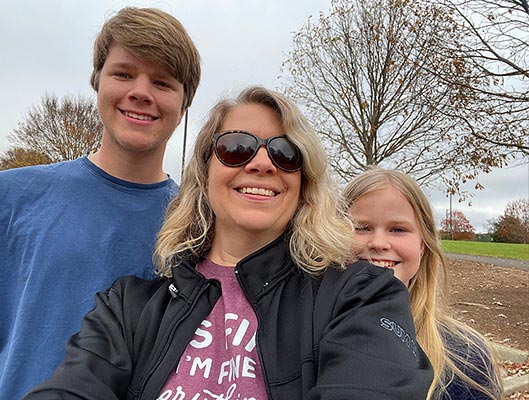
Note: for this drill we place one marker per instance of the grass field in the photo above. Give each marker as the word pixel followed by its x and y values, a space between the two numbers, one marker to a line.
pixel 501 250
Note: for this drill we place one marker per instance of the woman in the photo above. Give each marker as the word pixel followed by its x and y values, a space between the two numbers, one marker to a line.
pixel 254 299
pixel 396 226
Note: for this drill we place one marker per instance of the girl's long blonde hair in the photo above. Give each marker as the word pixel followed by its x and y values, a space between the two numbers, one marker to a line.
pixel 319 234
pixel 436 329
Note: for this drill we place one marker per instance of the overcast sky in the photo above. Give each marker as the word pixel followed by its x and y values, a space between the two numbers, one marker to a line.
pixel 46 46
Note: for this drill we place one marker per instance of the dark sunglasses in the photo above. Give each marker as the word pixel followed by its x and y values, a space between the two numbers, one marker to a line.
pixel 236 148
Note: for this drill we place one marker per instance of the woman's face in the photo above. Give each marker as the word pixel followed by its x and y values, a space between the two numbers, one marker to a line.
pixel 386 225
pixel 257 198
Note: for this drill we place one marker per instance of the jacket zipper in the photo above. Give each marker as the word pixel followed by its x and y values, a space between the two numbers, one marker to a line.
pixel 258 345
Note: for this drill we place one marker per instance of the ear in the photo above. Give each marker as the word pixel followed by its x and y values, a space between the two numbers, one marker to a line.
pixel 181 115
pixel 422 248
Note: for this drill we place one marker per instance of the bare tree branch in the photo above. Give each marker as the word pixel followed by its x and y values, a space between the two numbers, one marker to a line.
pixel 398 83
pixel 60 129
pixel 18 157
pixel 362 74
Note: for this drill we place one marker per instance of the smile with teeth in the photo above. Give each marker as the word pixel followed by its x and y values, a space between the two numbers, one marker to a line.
pixel 383 263
pixel 141 117
pixel 259 191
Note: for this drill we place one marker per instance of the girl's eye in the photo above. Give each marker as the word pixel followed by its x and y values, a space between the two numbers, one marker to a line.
pixel 398 230
pixel 361 228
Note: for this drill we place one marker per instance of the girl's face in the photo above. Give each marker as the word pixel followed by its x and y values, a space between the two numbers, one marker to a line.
pixel 386 226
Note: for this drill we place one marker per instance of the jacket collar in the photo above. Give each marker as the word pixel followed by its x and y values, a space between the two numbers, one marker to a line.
pixel 257 272
pixel 264 268
pixel 186 280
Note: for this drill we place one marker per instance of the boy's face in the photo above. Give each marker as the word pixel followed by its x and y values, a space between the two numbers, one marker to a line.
pixel 140 103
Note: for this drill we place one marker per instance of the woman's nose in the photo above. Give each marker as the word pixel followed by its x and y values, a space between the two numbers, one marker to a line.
pixel 261 163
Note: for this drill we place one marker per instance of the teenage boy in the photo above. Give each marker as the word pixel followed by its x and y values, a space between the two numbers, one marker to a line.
pixel 68 230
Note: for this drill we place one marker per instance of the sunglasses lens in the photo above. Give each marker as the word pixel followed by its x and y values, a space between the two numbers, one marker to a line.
pixel 284 154
pixel 235 149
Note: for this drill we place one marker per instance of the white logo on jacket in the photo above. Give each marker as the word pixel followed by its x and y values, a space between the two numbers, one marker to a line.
pixel 399 331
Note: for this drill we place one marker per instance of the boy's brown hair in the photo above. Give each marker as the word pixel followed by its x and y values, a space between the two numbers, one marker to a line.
pixel 152 35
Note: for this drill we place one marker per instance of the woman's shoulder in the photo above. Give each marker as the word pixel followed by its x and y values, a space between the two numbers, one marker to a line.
pixel 362 284
pixel 131 289
pixel 358 268
pixel 363 275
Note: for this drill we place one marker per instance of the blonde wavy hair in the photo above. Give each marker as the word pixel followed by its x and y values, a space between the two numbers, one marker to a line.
pixel 153 35
pixel 319 234
pixel 428 289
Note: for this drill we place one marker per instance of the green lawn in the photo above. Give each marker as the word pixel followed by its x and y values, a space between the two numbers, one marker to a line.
pixel 501 250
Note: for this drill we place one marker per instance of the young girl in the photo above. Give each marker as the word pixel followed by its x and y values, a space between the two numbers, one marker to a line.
pixel 395 224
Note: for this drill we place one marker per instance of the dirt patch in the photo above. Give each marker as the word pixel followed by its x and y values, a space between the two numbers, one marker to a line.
pixel 518 396
pixel 494 301
pixel 491 299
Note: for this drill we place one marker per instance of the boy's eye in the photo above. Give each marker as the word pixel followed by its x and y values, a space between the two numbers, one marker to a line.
pixel 121 75
pixel 162 84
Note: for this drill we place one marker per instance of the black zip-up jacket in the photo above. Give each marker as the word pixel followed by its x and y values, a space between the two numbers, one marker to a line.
pixel 349 335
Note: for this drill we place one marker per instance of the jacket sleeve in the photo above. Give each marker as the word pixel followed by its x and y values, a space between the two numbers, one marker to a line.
pixel 365 338
pixel 98 362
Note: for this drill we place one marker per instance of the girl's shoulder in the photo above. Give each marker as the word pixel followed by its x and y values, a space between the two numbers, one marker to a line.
pixel 466 343
pixel 473 357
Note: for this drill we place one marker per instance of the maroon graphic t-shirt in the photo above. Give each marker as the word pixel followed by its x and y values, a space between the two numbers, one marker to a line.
pixel 221 361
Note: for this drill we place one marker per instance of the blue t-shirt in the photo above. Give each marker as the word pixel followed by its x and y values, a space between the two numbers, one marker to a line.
pixel 67 231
